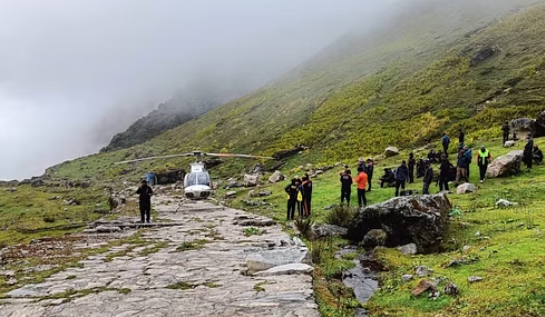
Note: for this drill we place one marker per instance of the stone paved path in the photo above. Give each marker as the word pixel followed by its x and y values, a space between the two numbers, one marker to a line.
pixel 210 281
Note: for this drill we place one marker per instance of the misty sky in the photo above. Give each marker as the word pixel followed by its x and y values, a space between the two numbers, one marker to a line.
pixel 74 72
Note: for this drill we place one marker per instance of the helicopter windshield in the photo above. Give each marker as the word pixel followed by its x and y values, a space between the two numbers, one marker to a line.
pixel 197 178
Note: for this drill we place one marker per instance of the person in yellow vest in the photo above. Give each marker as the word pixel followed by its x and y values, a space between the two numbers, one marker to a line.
pixel 483 159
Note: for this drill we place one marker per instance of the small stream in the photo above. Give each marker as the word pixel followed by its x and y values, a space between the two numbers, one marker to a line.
pixel 363 278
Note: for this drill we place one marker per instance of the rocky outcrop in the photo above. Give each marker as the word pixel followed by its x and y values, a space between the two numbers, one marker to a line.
pixel 170 176
pixel 505 165
pixel 326 230
pixel 523 127
pixel 252 180
pixel 422 220
pixel 391 151
pixel 482 54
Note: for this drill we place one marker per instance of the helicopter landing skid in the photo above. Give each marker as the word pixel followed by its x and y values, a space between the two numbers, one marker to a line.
pixel 217 202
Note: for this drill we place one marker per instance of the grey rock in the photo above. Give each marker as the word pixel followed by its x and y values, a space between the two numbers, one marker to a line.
pixel 482 54
pixel 407 277
pixel 509 144
pixel 265 193
pixel 375 238
pixel 523 127
pixel 321 231
pixel 466 188
pixel 409 249
pixel 451 289
pixel 423 271
pixel 252 194
pixel 276 177
pixel 505 203
pixel 24 292
pixel 264 260
pixel 107 229
pixel 288 269
pixel 474 279
pixel 12 281
pixel 252 180
pixel 391 151
pixel 505 165
pixel 231 194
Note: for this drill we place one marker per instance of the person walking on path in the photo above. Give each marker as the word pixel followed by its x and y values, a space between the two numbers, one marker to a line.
pixel 361 180
pixel 445 141
pixel 402 174
pixel 444 174
pixel 292 192
pixel 306 189
pixel 411 165
pixel 428 178
pixel 505 130
pixel 370 170
pixel 144 193
pixel 346 187
pixel 528 154
pixel 483 159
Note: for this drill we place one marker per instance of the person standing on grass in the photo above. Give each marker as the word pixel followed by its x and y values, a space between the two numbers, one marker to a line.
pixel 461 165
pixel 411 165
pixel 469 158
pixel 428 178
pixel 505 130
pixel 528 154
pixel 402 174
pixel 461 137
pixel 346 187
pixel 444 174
pixel 369 171
pixel 306 189
pixel 445 141
pixel 144 193
pixel 292 192
pixel 538 155
pixel 483 159
pixel 362 185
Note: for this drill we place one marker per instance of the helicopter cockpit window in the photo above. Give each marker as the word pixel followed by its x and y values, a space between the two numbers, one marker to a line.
pixel 198 178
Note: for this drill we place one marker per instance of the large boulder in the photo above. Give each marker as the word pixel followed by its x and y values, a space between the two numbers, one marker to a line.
pixel 276 177
pixel 482 54
pixel 505 165
pixel 391 151
pixel 326 230
pixel 251 180
pixel 509 144
pixel 523 127
pixel 422 220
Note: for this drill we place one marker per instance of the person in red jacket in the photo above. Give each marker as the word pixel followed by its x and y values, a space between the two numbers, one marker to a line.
pixel 361 180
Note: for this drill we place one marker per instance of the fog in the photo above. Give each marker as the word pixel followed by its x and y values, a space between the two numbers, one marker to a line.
pixel 74 73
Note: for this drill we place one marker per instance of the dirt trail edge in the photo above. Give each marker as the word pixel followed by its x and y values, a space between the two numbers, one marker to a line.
pixel 196 269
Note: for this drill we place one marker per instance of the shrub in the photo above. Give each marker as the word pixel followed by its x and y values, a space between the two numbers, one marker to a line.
pixel 341 216
pixel 305 227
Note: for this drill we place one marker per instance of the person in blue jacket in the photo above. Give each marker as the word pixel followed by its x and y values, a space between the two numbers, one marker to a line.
pixel 151 178
pixel 445 140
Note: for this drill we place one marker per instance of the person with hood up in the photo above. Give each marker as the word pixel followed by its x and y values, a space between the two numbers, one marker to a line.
pixel 483 159
pixel 528 154
pixel 402 174
pixel 292 191
pixel 361 180
pixel 306 190
pixel 369 171
pixel 346 187
pixel 428 178
pixel 411 165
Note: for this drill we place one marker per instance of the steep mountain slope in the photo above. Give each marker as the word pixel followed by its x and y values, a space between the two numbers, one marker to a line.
pixel 401 86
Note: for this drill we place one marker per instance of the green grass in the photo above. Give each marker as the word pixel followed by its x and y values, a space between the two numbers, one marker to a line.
pixel 192 245
pixel 252 231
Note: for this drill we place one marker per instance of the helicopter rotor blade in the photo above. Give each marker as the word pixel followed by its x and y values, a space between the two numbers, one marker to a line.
pixel 156 158
pixel 239 155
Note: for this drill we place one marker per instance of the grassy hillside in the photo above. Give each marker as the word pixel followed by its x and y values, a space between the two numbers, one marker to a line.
pixel 398 87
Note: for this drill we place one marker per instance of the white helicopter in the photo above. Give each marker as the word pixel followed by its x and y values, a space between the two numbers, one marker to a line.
pixel 197 183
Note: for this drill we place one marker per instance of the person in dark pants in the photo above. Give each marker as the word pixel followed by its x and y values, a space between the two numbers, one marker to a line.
pixel 505 130
pixel 445 141
pixel 346 187
pixel 461 137
pixel 362 185
pixel 402 174
pixel 292 192
pixel 388 179
pixel 538 155
pixel 412 163
pixel 469 158
pixel 528 154
pixel 461 171
pixel 306 190
pixel 428 178
pixel 299 201
pixel 444 174
pixel 483 159
pixel 144 196
pixel 369 171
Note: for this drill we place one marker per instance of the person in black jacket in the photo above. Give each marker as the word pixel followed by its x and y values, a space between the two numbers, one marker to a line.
pixel 505 130
pixel 388 179
pixel 444 174
pixel 428 178
pixel 412 163
pixel 370 169
pixel 144 197
pixel 306 190
pixel 346 186
pixel 538 155
pixel 402 174
pixel 461 137
pixel 292 192
pixel 528 154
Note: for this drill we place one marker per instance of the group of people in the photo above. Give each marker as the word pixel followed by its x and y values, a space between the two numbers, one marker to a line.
pixel 299 197
pixel 363 181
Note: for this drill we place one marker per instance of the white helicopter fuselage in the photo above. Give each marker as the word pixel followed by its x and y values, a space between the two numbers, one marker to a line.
pixel 198 192
pixel 197 183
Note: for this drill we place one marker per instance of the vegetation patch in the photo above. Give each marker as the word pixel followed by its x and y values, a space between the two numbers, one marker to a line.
pixel 192 245
pixel 253 231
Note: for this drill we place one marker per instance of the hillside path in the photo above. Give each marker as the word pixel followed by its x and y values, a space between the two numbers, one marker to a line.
pixel 210 280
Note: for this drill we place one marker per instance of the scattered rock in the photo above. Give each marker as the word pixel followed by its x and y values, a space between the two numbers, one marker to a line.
pixel 425 286
pixel 252 194
pixel 474 279
pixel 509 144
pixel 478 234
pixel 12 281
pixel 482 54
pixel 505 165
pixel 72 202
pixel 375 238
pixel 461 262
pixel 422 220
pixel 466 188
pixel 38 182
pixel 423 271
pixel 330 207
pixel 265 193
pixel 254 203
pixel 505 203
pixel 107 229
pixel 10 189
pixel 252 180
pixel 288 269
pixel 231 194
pixel 451 289
pixel 409 249
pixel 276 177
pixel 407 277
pixel 466 249
pixel 391 152
pixel 264 260
pixel 298 242
pixel 326 230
